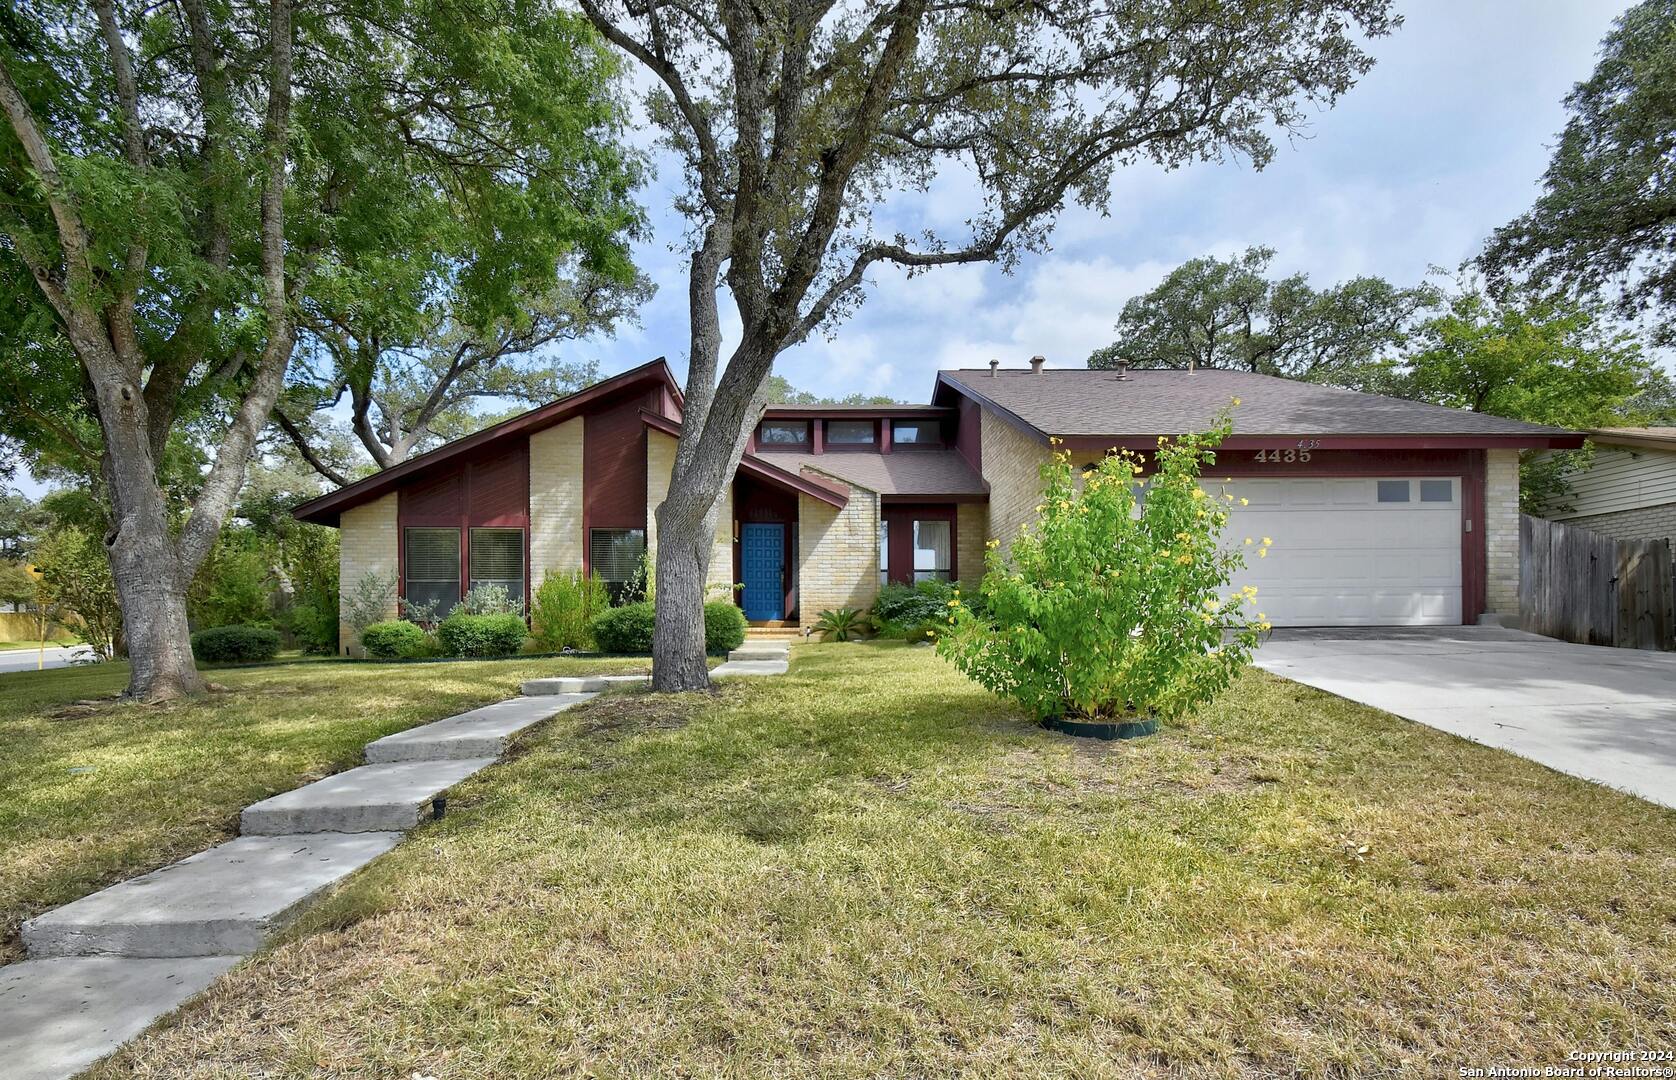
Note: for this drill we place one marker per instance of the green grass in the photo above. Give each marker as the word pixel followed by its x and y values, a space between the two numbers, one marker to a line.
pixel 155 783
pixel 869 867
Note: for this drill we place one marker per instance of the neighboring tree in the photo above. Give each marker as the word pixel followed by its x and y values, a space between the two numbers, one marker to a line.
pixel 76 577
pixel 406 396
pixel 1216 313
pixel 22 523
pixel 180 180
pixel 1607 215
pixel 1543 360
pixel 777 390
pixel 794 122
pixel 18 586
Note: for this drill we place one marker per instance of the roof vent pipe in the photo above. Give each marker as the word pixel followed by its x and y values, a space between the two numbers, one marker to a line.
pixel 993 364
pixel 1123 369
pixel 1036 363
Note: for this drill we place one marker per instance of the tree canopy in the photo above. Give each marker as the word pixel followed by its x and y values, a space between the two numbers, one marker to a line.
pixel 181 182
pixel 1229 313
pixel 1606 218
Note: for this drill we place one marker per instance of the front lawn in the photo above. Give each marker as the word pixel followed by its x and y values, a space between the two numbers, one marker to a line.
pixel 869 867
pixel 93 793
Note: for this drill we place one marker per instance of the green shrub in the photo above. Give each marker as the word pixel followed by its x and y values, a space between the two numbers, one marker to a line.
pixel 724 627
pixel 463 634
pixel 394 639
pixel 906 611
pixel 563 609
pixel 490 600
pixel 235 644
pixel 626 629
pixel 1102 613
pixel 841 623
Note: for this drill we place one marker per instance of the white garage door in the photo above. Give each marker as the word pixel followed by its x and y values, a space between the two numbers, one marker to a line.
pixel 1374 552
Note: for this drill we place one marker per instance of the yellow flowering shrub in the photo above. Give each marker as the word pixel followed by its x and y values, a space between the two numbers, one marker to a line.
pixel 1102 612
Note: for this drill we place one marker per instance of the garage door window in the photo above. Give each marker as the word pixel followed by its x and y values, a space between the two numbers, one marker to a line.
pixel 1437 491
pixel 1393 491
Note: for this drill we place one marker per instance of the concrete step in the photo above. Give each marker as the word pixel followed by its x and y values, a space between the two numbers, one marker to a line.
pixel 585 684
pixel 480 733
pixel 372 798
pixel 219 902
pixel 59 1016
pixel 749 667
pixel 761 650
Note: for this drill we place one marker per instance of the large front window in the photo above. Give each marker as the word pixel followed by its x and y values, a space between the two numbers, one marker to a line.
pixel 431 566
pixel 497 558
pixel 933 552
pixel 615 555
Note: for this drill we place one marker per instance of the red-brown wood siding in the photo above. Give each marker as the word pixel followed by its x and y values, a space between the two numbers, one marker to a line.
pixel 487 491
pixel 968 436
pixel 614 465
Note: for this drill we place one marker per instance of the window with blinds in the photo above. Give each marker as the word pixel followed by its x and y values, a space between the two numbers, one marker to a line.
pixel 497 558
pixel 431 565
pixel 614 556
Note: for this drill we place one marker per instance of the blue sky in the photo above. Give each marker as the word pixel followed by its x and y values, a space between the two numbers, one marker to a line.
pixel 1444 140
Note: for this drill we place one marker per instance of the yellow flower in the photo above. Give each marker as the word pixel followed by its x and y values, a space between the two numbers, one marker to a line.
pixel 1262 553
pixel 1210 602
pixel 1198 493
pixel 994 543
pixel 1267 541
pixel 1245 502
pixel 1248 541
pixel 954 603
pixel 1209 618
pixel 1053 441
pixel 1236 401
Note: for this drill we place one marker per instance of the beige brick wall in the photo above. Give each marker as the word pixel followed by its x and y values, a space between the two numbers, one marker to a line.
pixel 367 542
pixel 838 554
pixel 660 466
pixel 556 500
pixel 1501 532
pixel 970 534
pixel 1011 464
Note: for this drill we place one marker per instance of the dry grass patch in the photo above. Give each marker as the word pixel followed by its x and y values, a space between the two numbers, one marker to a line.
pixel 93 790
pixel 870 868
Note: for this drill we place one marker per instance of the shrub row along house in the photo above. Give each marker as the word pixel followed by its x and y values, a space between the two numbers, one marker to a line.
pixel 1381 511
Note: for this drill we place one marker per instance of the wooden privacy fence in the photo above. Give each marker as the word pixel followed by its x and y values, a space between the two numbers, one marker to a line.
pixel 1580 586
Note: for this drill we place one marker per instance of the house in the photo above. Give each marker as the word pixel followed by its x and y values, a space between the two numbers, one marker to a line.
pixel 1628 489
pixel 1381 511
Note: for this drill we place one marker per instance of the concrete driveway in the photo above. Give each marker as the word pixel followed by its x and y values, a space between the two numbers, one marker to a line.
pixel 1607 715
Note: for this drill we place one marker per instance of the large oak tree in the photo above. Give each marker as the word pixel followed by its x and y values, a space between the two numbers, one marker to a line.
pixel 796 120
pixel 180 179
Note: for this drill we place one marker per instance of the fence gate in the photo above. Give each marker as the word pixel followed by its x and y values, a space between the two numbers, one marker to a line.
pixel 1579 586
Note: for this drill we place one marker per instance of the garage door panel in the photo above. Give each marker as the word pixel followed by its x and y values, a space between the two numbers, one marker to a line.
pixel 1343 558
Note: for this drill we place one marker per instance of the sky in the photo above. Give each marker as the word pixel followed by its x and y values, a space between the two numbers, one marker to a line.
pixel 1445 139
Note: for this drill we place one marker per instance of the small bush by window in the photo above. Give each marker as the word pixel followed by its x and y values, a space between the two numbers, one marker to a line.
pixel 563 610
pixel 724 627
pixel 462 634
pixel 235 644
pixel 626 629
pixel 394 639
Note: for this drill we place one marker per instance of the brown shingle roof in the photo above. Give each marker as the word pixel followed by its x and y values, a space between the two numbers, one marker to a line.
pixel 904 472
pixel 1080 402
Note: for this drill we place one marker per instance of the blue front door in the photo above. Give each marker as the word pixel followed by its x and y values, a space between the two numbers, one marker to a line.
pixel 762 560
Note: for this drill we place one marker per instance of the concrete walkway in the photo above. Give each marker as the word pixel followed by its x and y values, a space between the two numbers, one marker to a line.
pixel 1607 715
pixel 102 968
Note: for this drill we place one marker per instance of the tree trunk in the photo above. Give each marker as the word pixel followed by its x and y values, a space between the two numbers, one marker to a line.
pixel 154 623
pixel 683 565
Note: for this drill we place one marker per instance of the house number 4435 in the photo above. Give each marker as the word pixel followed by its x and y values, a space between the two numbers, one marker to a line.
pixel 1292 455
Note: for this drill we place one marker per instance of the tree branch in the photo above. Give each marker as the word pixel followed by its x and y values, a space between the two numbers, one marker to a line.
pixel 300 441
